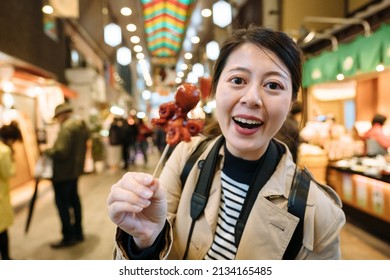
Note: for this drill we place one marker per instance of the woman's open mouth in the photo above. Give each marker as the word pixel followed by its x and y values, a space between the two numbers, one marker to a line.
pixel 247 123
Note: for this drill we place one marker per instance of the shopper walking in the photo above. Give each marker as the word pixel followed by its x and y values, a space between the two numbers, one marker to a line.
pixel 8 135
pixel 68 154
pixel 144 131
pixel 256 78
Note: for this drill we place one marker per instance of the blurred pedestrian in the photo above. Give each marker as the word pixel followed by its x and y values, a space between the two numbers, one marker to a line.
pixel 129 135
pixel 68 154
pixel 8 135
pixel 115 137
pixel 144 131
pixel 376 141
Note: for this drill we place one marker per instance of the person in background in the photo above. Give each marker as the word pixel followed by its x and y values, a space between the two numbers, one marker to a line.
pixel 144 131
pixel 116 141
pixel 8 135
pixel 289 132
pixel 68 155
pixel 256 78
pixel 376 141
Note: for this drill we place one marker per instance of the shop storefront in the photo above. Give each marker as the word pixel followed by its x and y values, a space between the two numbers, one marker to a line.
pixel 345 88
pixel 28 96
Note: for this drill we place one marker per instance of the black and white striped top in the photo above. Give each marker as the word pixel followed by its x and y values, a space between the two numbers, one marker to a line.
pixel 236 176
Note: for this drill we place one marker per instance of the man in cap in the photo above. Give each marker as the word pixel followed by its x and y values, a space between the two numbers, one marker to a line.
pixel 68 154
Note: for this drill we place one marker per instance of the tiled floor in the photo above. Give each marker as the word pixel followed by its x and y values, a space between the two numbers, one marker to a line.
pixel 356 244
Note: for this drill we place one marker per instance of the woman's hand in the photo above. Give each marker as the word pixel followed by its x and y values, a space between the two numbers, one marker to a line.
pixel 138 206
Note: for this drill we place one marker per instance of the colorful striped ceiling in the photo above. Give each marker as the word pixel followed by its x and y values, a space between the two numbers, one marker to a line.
pixel 165 24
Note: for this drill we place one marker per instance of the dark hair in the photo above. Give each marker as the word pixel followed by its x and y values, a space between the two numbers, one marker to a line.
pixel 378 118
pixel 277 42
pixel 296 108
pixel 11 132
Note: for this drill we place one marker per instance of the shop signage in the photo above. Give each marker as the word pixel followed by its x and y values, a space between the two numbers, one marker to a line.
pixel 362 55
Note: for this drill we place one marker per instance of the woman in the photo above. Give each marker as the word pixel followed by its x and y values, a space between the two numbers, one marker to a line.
pixel 8 135
pixel 255 82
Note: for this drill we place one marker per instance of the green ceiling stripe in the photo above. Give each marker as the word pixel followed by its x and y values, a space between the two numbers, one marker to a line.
pixel 161 45
pixel 166 25
pixel 165 11
pixel 164 34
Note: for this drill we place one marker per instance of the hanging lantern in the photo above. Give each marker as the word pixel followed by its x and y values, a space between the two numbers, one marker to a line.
pixel 112 34
pixel 212 50
pixel 222 13
pixel 123 56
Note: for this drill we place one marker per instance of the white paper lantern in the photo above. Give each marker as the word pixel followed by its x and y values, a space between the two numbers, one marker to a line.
pixel 112 34
pixel 222 14
pixel 212 50
pixel 123 56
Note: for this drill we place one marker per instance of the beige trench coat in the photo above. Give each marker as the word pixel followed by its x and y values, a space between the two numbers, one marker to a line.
pixel 269 226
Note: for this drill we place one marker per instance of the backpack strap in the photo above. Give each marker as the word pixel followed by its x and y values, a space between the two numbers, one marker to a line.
pixel 297 206
pixel 264 171
pixel 192 159
pixel 202 188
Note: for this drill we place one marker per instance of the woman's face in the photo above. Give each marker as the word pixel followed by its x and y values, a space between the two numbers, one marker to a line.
pixel 253 98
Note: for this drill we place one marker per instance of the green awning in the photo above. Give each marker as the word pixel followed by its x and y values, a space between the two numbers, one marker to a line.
pixel 362 55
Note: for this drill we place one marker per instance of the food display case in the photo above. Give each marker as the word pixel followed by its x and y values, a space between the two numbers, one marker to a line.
pixel 363 185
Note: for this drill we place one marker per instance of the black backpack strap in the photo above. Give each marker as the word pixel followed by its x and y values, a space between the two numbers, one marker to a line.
pixel 192 159
pixel 202 188
pixel 297 206
pixel 269 162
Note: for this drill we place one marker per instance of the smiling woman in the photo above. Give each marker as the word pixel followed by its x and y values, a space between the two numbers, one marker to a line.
pixel 256 78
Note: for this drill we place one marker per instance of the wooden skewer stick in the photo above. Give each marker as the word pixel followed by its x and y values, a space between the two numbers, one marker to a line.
pixel 163 156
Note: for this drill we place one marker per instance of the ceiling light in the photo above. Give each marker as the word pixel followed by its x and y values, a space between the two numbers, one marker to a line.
pixel 222 13
pixel 192 78
pixel 212 50
pixel 47 9
pixel 131 27
pixel 198 69
pixel 188 55
pixel 138 48
pixel 126 11
pixel 195 40
pixel 140 55
pixel 380 68
pixel 123 56
pixel 135 39
pixel 206 13
pixel 112 34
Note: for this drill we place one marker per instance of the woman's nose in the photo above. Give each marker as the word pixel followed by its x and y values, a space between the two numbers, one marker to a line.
pixel 252 97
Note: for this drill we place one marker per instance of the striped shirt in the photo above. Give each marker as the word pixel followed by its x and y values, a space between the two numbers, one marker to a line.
pixel 235 177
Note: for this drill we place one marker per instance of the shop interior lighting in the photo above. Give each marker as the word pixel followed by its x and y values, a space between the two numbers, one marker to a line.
pixel 222 13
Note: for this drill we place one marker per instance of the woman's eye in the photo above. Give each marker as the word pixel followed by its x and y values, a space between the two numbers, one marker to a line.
pixel 273 85
pixel 237 81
